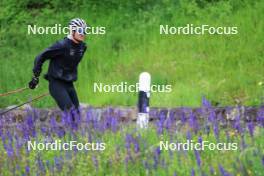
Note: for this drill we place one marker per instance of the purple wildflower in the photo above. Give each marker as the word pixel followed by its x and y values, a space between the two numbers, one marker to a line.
pixel 159 127
pixel 60 132
pixel 18 144
pixel 156 157
pixel 89 115
pixel 168 123
pixel 216 130
pixel 212 116
pixel 174 174
pixel 58 163
pixel 188 135
pixel 206 103
pixel 158 151
pixel 9 149
pixel 136 146
pixel 200 139
pixel 223 171
pixel 52 122
pixel 29 121
pixel 41 165
pixel 44 130
pixel 212 171
pixel 1 130
pixel 27 169
pixel 251 128
pixel 183 117
pixel 192 172
pixel 260 116
pixel 10 138
pixel 193 122
pixel 129 139
pixel 114 124
pixel 95 161
pixel 197 157
pixel 160 122
pixel 221 119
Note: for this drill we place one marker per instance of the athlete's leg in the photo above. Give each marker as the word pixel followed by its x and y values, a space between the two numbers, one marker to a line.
pixel 73 95
pixel 58 90
pixel 76 116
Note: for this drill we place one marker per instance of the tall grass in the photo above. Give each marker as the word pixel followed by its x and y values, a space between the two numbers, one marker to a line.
pixel 226 69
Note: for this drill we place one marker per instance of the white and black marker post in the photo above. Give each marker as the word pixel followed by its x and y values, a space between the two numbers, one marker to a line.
pixel 143 100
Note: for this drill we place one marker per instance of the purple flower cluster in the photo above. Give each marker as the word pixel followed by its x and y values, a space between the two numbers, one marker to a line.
pixel 91 124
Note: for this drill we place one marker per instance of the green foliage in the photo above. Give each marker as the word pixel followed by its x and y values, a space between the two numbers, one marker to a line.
pixel 223 68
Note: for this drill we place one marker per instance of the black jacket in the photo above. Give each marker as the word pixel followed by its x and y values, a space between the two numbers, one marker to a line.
pixel 64 56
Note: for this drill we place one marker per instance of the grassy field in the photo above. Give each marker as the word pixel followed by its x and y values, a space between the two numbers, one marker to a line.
pixel 129 150
pixel 224 68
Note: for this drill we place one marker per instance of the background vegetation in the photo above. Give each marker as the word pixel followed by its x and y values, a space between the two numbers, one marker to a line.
pixel 226 69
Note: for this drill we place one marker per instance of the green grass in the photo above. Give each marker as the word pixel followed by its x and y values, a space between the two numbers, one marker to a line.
pixel 222 68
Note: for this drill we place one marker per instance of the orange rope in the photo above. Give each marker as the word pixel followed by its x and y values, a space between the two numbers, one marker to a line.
pixel 34 99
pixel 13 91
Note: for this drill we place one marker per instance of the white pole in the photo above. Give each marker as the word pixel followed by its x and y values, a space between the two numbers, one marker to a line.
pixel 143 99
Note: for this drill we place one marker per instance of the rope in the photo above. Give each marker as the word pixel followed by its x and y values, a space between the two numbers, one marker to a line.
pixel 34 99
pixel 13 91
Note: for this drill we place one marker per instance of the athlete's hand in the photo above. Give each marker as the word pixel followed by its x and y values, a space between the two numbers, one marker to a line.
pixel 33 83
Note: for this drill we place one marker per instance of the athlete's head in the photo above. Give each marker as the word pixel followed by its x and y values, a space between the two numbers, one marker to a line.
pixel 77 29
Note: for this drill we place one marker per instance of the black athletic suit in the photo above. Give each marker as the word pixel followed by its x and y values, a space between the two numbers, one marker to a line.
pixel 64 56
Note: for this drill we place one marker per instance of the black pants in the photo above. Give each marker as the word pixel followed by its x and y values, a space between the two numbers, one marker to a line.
pixel 64 94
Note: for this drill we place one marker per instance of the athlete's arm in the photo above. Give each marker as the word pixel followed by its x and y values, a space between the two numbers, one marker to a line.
pixel 49 53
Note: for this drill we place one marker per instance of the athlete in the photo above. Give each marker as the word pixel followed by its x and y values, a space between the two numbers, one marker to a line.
pixel 64 57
